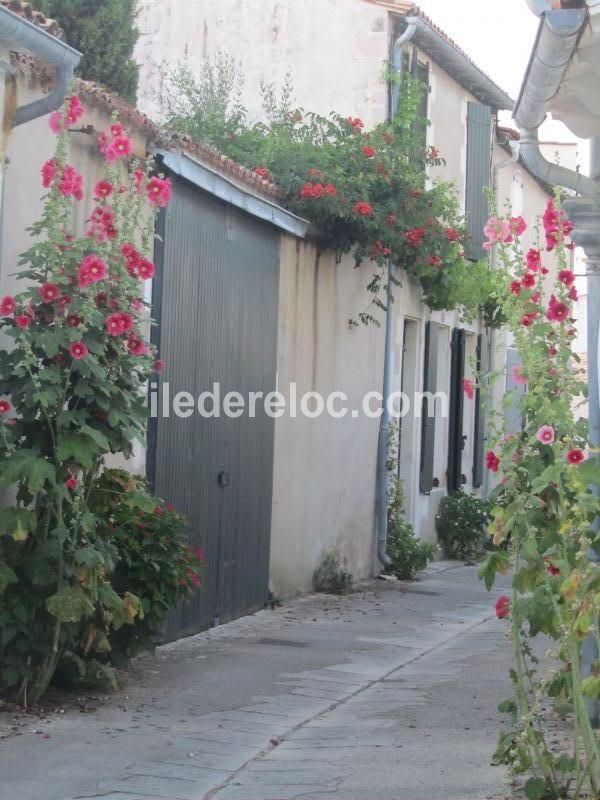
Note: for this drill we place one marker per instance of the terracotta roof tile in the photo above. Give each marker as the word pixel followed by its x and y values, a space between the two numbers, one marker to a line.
pixel 159 135
pixel 38 19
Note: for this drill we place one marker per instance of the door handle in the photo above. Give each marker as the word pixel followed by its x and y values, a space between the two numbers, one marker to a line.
pixel 223 479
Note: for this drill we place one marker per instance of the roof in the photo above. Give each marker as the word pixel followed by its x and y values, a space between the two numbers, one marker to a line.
pixel 462 68
pixel 36 18
pixel 97 96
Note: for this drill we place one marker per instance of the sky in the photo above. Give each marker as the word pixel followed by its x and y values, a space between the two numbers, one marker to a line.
pixel 498 35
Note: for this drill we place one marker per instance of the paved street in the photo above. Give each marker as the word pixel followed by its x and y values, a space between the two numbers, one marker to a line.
pixel 388 693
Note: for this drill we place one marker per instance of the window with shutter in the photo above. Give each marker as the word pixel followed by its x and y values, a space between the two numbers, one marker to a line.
pixel 456 440
pixel 432 339
pixel 478 178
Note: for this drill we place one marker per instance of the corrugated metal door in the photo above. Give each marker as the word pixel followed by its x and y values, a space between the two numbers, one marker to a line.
pixel 216 300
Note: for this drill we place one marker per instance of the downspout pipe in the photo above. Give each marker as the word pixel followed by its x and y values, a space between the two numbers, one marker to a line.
pixel 22 35
pixel 382 482
pixel 557 39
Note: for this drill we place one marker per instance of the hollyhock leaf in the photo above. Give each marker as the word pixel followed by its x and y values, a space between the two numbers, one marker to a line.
pixel 70 604
pixel 536 789
pixel 77 447
pixel 525 579
pixel 494 563
pixel 16 520
pixel 28 466
pixel 7 576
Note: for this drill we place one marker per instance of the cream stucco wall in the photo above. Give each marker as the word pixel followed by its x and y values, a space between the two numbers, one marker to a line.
pixel 324 468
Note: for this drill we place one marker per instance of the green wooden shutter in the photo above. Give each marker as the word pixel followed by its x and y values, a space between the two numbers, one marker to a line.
pixel 456 441
pixel 479 432
pixel 427 421
pixel 479 144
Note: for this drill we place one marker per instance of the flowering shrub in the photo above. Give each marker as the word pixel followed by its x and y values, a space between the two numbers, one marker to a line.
pixel 461 522
pixel 154 561
pixel 72 391
pixel 546 512
pixel 364 190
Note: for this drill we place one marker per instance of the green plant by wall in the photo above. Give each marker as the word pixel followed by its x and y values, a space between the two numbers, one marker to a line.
pixel 408 554
pixel 72 392
pixel 461 524
pixel 364 190
pixel 154 561
pixel 104 31
pixel 330 576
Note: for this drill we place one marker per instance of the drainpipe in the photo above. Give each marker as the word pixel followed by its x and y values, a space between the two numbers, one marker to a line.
pixel 382 487
pixel 28 37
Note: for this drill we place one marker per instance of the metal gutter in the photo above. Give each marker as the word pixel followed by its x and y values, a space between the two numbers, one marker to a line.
pixel 22 35
pixel 214 183
pixel 556 42
pixel 457 64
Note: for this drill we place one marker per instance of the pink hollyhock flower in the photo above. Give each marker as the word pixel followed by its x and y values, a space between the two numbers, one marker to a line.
pixel 468 388
pixel 74 110
pixel 73 320
pixel 551 568
pixel 535 297
pixel 534 259
pixel 433 261
pixel 528 319
pixel 515 287
pixel 71 482
pixel 158 191
pixel 56 121
pixel 502 607
pixel 159 365
pixel 136 346
pixel 368 151
pixel 545 434
pixel 363 208
pixel 528 280
pixel 555 226
pixel 78 350
pixel 552 351
pixel 5 406
pixel 139 177
pixel 497 230
pixel 48 173
pixel 575 456
pixel 119 147
pixel 126 321
pixel 7 305
pixel 518 226
pixel 102 190
pixel 330 190
pixel 356 123
pixel 71 183
pixel 518 376
pixel 567 277
pixel 492 461
pixel 137 304
pixel 114 324
pixel 557 311
pixel 92 270
pixel 573 295
pixel 23 320
pixel 49 292
pixel 146 269
pixel 263 173
pixel 452 234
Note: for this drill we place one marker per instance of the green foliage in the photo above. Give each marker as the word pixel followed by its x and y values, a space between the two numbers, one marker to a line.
pixel 155 563
pixel 63 411
pixel 408 554
pixel 461 523
pixel 330 576
pixel 545 515
pixel 104 31
pixel 365 191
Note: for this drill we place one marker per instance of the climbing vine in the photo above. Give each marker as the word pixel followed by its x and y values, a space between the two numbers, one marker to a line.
pixel 364 190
